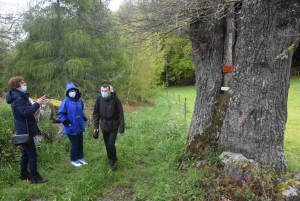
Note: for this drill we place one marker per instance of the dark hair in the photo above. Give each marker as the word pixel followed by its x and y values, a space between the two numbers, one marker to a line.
pixel 14 82
pixel 105 86
pixel 73 89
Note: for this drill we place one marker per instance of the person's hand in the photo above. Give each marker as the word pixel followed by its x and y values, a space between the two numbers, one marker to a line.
pixel 96 134
pixel 41 100
pixel 67 122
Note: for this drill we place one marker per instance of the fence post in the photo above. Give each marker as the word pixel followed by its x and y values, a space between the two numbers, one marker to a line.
pixel 185 108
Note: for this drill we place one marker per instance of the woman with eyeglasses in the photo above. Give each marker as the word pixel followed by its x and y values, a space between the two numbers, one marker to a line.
pixel 25 123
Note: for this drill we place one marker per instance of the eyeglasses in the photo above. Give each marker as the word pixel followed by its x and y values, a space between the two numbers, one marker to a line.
pixel 23 82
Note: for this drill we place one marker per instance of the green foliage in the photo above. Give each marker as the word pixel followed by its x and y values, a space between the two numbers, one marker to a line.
pixel 83 43
pixel 8 152
pixel 66 42
pixel 141 78
pixel 177 54
pixel 48 130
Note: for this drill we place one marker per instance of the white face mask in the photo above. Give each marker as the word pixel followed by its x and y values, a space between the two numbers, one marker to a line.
pixel 72 94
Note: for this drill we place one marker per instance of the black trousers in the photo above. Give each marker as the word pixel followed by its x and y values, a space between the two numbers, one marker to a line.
pixel 109 141
pixel 29 158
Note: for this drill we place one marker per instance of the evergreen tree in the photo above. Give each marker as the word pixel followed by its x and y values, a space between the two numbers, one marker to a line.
pixel 67 40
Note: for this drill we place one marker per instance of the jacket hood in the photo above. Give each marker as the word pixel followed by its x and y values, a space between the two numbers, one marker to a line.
pixel 71 85
pixel 12 95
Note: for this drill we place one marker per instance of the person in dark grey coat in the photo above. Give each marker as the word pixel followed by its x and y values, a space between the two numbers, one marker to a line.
pixel 108 110
pixel 25 123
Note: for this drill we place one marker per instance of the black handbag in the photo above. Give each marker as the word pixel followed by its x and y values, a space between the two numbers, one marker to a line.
pixel 20 139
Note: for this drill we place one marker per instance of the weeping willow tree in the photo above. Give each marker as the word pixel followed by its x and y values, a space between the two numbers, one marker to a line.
pixel 67 40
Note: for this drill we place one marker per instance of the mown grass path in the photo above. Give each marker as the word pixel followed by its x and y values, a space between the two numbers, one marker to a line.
pixel 148 152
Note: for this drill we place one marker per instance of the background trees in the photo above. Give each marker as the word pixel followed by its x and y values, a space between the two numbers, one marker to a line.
pixel 66 41
pixel 83 42
pixel 178 63
pixel 9 22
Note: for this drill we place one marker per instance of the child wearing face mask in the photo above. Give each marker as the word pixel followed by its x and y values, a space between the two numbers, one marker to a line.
pixel 71 114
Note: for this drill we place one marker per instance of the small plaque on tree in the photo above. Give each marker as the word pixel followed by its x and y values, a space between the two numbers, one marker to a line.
pixel 227 69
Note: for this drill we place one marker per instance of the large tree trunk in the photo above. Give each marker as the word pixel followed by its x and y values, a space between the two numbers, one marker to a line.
pixel 251 117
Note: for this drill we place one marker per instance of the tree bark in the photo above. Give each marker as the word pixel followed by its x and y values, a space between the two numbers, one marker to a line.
pixel 251 117
pixel 208 59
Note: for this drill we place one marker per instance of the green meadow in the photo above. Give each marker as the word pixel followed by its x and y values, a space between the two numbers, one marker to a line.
pixel 149 153
pixel 292 132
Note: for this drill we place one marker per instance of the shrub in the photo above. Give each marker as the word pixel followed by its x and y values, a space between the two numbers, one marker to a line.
pixel 8 152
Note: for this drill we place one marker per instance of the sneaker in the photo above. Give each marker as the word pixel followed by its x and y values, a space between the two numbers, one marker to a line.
pixel 113 165
pixel 25 177
pixel 38 180
pixel 76 163
pixel 82 161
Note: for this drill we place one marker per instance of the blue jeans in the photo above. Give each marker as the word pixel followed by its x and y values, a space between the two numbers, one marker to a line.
pixel 76 151
pixel 29 157
pixel 109 141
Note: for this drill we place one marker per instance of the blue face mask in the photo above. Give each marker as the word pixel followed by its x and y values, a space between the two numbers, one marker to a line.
pixel 72 94
pixel 104 94
pixel 24 88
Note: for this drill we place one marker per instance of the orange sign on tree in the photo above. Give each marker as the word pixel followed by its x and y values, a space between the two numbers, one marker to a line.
pixel 227 69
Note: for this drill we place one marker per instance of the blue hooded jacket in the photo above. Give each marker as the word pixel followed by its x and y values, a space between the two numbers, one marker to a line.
pixel 71 112
pixel 23 112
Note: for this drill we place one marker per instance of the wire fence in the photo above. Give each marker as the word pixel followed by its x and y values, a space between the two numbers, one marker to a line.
pixel 179 101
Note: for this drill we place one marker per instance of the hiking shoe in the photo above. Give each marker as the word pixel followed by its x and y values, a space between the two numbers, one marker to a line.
pixel 38 180
pixel 82 161
pixel 113 165
pixel 76 163
pixel 25 177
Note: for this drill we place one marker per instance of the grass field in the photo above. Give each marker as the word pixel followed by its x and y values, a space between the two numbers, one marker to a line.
pixel 292 132
pixel 149 159
pixel 182 94
pixel 149 162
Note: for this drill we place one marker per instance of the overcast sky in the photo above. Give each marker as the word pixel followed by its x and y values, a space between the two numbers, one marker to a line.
pixel 8 5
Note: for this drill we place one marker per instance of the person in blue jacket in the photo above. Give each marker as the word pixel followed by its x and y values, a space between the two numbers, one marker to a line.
pixel 71 114
pixel 25 123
